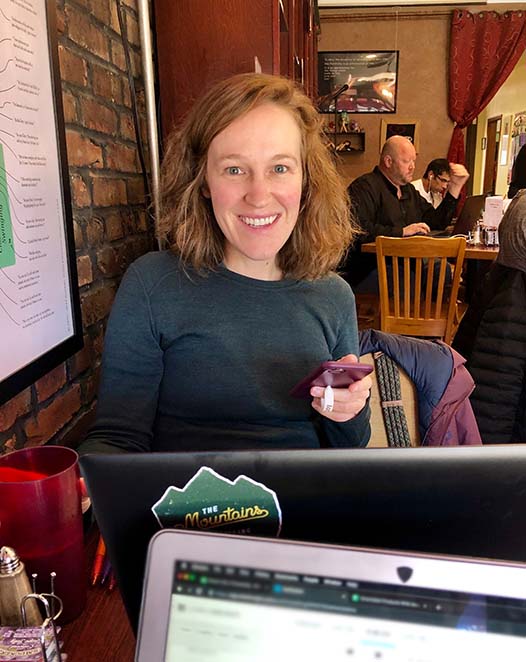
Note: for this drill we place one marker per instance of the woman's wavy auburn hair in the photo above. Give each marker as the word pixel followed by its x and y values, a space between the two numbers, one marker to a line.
pixel 325 227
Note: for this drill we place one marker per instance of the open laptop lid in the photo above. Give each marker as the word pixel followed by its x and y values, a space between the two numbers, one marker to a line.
pixel 470 214
pixel 227 598
pixel 465 501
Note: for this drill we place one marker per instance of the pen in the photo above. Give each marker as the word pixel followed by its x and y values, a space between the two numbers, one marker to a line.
pixel 106 570
pixel 98 561
pixel 113 581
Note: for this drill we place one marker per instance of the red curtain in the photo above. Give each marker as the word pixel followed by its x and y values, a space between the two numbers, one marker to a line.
pixel 485 47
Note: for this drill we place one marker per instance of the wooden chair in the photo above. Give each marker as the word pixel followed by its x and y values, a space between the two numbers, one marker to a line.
pixel 414 298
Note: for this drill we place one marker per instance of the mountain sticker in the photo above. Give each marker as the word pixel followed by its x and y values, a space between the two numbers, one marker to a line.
pixel 211 502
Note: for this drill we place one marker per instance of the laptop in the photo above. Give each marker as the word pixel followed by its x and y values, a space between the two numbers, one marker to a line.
pixel 471 212
pixel 461 500
pixel 227 598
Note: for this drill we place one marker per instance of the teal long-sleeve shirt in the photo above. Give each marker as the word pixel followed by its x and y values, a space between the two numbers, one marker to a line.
pixel 206 362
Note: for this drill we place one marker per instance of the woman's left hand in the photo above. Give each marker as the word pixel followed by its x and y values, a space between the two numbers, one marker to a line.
pixel 348 402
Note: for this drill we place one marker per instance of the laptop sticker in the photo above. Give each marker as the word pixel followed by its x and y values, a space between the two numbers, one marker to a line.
pixel 211 502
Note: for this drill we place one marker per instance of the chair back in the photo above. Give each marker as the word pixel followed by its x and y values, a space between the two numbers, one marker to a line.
pixel 409 402
pixel 416 298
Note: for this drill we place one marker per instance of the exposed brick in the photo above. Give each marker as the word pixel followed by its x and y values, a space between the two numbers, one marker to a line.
pixel 109 192
pixel 96 304
pixel 128 222
pixel 132 29
pixel 54 417
pixel 135 190
pixel 126 254
pixel 69 104
pixel 82 151
pixel 98 117
pixel 106 84
pixel 121 158
pixel 77 233
pixel 87 35
pixel 73 434
pixel 143 220
pixel 114 227
pixel 95 63
pixel 117 54
pixel 95 231
pixel 14 408
pixel 51 383
pixel 79 191
pixel 8 445
pixel 84 270
pixel 136 65
pixel 98 342
pixel 73 68
pixel 114 19
pixel 107 262
pixel 127 126
pixel 101 10
pixel 82 360
pixel 61 20
pixel 141 101
pixel 126 94
pixel 143 127
pixel 141 244
pixel 90 386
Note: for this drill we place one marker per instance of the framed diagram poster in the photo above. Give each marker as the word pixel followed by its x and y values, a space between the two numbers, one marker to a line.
pixel 40 319
pixel 357 81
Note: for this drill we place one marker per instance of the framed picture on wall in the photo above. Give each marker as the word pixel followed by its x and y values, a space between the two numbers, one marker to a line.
pixel 408 128
pixel 357 81
pixel 40 318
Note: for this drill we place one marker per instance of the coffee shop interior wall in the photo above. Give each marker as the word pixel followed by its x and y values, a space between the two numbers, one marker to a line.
pixel 421 35
pixel 111 223
pixel 509 101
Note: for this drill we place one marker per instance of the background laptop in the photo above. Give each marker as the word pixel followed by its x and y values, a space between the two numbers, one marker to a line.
pixel 467 219
pixel 228 598
pixel 466 501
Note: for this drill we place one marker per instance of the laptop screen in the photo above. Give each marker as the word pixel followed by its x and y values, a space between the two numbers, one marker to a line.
pixel 235 612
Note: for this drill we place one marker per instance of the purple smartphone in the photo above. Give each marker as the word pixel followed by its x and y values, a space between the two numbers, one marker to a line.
pixel 331 373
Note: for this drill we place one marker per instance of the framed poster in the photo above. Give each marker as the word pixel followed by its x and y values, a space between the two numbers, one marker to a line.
pixel 40 318
pixel 357 81
pixel 408 128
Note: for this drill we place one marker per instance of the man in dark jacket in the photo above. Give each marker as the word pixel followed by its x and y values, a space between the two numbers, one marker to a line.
pixel 385 203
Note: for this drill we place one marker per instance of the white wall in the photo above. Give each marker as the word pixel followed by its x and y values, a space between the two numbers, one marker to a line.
pixel 510 99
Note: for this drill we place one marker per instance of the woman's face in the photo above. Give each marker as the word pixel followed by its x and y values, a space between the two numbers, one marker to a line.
pixel 254 180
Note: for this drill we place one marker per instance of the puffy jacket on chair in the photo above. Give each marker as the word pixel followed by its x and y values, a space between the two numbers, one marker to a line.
pixel 442 382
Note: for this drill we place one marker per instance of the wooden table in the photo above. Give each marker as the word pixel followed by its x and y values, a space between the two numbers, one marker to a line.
pixel 473 252
pixel 102 632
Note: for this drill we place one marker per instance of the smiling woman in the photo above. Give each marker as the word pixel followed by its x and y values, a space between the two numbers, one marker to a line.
pixel 206 339
pixel 255 187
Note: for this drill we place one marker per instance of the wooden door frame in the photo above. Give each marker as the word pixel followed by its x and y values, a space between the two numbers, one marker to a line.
pixel 492 155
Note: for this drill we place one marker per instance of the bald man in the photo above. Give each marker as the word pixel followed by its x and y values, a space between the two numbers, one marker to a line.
pixel 385 203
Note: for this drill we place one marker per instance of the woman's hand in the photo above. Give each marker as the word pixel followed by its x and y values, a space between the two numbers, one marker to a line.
pixel 348 402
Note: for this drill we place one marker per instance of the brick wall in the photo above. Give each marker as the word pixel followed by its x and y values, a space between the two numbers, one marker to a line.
pixel 111 224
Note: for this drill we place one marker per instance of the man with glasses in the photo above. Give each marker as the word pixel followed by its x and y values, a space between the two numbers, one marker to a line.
pixel 385 203
pixel 433 185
